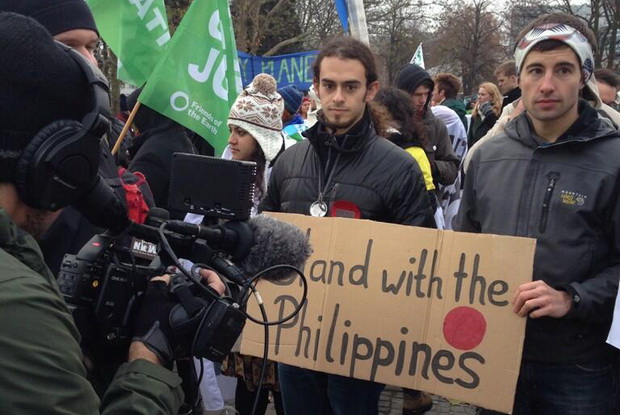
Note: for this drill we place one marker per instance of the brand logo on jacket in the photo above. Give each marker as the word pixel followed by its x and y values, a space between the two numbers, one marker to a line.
pixel 572 198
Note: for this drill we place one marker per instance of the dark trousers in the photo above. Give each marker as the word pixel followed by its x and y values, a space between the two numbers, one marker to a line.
pixel 306 392
pixel 558 389
pixel 244 400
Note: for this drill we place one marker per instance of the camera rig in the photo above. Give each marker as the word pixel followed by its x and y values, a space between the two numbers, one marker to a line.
pixel 104 281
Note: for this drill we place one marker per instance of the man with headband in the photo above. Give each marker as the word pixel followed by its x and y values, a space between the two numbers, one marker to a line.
pixel 553 175
pixel 590 91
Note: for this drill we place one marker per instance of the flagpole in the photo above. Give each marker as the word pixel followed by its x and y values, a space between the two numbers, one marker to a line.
pixel 128 123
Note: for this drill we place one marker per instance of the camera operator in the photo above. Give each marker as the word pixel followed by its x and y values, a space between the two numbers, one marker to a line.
pixel 49 148
pixel 71 22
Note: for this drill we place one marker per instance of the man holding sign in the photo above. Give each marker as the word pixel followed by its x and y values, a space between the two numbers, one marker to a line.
pixel 551 176
pixel 344 169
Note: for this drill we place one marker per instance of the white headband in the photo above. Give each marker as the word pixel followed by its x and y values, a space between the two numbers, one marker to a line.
pixel 563 33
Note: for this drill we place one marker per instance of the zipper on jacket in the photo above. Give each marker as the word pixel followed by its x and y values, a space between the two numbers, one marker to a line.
pixel 553 178
pixel 333 191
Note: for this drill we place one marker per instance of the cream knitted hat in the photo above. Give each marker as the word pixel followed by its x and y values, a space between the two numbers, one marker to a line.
pixel 258 110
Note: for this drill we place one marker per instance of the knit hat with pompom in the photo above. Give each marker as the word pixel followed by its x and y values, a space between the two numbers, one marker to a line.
pixel 258 110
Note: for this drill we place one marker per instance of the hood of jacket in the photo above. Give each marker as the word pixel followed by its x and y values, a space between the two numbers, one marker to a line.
pixel 147 119
pixel 411 77
pixel 22 246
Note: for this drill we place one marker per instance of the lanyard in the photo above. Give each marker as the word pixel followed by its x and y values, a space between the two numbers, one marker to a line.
pixel 319 207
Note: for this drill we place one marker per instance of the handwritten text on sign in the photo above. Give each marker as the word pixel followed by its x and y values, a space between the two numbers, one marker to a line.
pixel 413 307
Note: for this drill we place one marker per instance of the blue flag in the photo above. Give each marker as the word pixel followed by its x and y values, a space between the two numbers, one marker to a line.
pixel 343 13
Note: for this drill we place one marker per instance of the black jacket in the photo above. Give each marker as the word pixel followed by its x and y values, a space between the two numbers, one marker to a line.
pixel 439 150
pixel 567 196
pixel 479 128
pixel 511 96
pixel 151 152
pixel 444 163
pixel 381 179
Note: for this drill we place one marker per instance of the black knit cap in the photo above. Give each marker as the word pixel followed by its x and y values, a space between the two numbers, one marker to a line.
pixel 57 16
pixel 411 77
pixel 39 83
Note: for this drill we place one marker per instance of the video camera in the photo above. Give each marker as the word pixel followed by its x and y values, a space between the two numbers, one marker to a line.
pixel 103 283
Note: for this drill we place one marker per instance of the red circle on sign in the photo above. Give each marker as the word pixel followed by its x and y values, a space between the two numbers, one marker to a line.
pixel 464 328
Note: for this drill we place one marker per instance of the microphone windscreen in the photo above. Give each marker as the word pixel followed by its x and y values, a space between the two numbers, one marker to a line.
pixel 275 243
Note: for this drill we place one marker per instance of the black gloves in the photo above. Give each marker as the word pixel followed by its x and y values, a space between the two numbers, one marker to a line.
pixel 153 322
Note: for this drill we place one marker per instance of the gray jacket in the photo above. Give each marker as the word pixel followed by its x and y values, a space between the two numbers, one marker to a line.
pixel 566 196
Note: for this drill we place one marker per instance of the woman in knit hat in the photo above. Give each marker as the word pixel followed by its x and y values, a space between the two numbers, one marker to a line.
pixel 255 124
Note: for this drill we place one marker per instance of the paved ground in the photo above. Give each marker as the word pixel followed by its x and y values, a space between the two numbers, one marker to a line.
pixel 391 403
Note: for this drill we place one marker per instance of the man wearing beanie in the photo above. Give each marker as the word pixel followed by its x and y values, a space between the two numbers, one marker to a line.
pixel 293 122
pixel 552 175
pixel 42 370
pixel 71 22
pixel 344 162
pixel 68 21
pixel 419 85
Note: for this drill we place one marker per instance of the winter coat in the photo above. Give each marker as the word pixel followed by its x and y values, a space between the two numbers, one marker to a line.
pixel 513 95
pixel 381 179
pixel 151 152
pixel 566 196
pixel 439 150
pixel 445 164
pixel 41 371
pixel 480 125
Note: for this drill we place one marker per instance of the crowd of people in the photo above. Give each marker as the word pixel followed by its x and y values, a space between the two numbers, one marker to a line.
pixel 535 158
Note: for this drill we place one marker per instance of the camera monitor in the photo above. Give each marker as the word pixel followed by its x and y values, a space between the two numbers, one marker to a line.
pixel 210 186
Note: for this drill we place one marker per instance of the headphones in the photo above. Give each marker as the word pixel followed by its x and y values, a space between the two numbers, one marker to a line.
pixel 61 161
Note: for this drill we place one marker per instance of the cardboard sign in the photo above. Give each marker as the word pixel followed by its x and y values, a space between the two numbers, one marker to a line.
pixel 406 306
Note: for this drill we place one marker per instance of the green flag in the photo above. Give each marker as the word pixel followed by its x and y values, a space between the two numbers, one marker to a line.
pixel 136 31
pixel 418 57
pixel 199 78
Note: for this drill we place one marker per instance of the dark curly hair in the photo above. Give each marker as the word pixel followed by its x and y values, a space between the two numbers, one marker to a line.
pixel 345 47
pixel 398 104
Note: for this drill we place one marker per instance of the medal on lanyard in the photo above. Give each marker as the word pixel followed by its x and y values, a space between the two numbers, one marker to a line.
pixel 319 208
